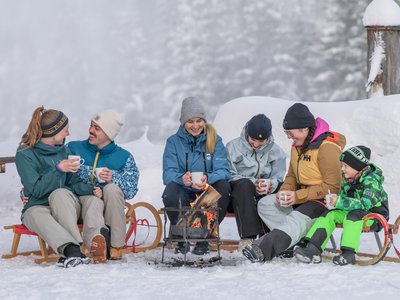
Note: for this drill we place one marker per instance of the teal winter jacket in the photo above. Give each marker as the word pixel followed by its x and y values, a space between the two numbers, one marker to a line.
pixel 37 167
pixel 184 152
pixel 125 173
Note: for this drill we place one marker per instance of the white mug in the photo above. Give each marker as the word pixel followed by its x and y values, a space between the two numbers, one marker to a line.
pixel 264 184
pixel 196 177
pixel 98 171
pixel 283 198
pixel 328 201
pixel 81 160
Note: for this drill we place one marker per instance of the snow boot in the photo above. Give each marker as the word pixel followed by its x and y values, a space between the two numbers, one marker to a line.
pixel 347 257
pixel 288 253
pixel 309 254
pixel 244 242
pixel 182 247
pixel 73 257
pixel 201 248
pixel 98 249
pixel 253 253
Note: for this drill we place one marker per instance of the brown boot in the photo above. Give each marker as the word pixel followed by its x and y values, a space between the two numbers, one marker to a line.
pixel 115 253
pixel 98 249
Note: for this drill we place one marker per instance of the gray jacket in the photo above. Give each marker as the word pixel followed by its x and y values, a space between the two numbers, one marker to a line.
pixel 268 162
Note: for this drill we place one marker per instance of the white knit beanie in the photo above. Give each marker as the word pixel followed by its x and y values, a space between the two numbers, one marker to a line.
pixel 192 108
pixel 110 121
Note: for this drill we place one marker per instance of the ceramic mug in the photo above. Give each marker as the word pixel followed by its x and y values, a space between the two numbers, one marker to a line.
pixel 81 160
pixel 98 171
pixel 196 177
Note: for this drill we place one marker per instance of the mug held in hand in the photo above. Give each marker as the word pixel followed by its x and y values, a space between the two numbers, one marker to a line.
pixel 283 199
pixel 328 201
pixel 197 177
pixel 81 161
pixel 263 185
pixel 98 171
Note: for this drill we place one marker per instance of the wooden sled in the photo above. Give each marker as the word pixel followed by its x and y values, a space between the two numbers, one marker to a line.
pixel 141 218
pixel 383 246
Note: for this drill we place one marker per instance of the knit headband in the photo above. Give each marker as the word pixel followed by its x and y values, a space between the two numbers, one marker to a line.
pixel 56 126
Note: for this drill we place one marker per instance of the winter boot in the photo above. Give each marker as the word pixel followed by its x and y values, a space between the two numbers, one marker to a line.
pixel 309 254
pixel 347 257
pixel 73 257
pixel 253 253
pixel 288 253
pixel 244 242
pixel 182 247
pixel 98 249
pixel 201 248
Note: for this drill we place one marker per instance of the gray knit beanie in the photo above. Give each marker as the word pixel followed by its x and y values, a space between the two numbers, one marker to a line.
pixel 110 121
pixel 192 108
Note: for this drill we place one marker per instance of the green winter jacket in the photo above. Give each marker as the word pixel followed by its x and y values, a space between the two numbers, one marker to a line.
pixel 365 193
pixel 37 167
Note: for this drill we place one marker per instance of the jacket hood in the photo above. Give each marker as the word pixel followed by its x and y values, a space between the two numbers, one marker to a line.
pixel 322 133
pixel 321 127
pixel 373 171
pixel 45 149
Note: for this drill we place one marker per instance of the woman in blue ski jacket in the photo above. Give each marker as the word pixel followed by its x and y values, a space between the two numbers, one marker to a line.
pixel 195 147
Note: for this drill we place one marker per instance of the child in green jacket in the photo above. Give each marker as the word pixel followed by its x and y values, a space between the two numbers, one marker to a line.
pixel 361 193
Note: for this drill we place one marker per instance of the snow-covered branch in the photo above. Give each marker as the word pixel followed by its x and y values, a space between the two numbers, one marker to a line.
pixel 376 59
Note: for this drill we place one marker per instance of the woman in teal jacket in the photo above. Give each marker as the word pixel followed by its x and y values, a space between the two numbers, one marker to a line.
pixel 51 185
pixel 195 147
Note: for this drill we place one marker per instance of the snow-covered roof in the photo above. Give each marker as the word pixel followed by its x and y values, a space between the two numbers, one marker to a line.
pixel 382 13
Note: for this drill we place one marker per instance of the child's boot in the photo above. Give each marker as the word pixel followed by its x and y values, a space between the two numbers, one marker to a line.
pixel 309 254
pixel 347 257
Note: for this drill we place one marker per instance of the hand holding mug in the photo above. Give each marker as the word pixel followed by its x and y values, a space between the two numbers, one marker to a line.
pixel 263 186
pixel 103 174
pixel 330 200
pixel 285 198
pixel 69 165
pixel 187 179
pixel 199 184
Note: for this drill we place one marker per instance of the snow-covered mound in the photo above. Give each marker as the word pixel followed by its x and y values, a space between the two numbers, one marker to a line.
pixel 382 13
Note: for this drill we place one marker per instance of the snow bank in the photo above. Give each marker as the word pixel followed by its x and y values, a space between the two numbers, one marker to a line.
pixel 383 13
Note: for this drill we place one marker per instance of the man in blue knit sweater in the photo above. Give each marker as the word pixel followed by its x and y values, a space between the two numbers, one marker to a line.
pixel 104 219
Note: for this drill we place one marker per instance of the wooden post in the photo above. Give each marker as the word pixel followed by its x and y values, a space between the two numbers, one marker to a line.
pixel 389 79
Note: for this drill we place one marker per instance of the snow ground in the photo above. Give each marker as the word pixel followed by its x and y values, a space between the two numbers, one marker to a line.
pixel 141 276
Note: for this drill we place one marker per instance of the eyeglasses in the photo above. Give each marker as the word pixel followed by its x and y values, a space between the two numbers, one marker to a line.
pixel 289 133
